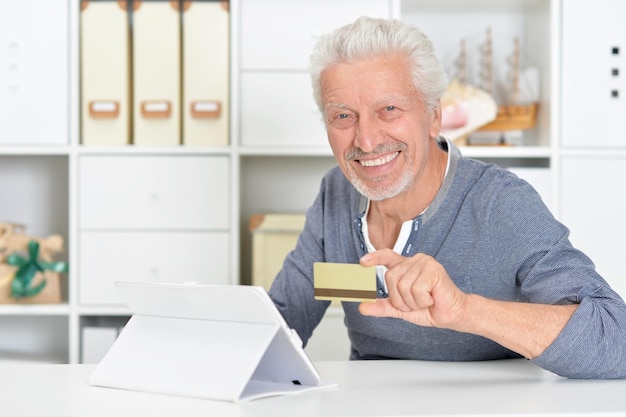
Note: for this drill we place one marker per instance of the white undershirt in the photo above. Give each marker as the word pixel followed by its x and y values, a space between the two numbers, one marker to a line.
pixel 403 237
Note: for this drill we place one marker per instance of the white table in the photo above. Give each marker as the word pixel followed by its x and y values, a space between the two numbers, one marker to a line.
pixel 367 388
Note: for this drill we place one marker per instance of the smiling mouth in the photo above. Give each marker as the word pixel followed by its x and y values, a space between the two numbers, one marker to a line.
pixel 379 161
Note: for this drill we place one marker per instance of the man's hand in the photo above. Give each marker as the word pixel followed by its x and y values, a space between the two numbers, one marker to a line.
pixel 420 291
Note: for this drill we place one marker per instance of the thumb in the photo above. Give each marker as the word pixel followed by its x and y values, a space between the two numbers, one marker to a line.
pixel 380 308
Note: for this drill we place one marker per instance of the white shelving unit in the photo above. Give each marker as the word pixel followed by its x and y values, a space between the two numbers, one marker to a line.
pixel 278 152
pixel 34 159
pixel 591 153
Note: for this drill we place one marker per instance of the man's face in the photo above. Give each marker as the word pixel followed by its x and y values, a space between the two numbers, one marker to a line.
pixel 377 123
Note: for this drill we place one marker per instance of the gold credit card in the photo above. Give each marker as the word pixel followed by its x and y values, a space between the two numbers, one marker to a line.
pixel 344 282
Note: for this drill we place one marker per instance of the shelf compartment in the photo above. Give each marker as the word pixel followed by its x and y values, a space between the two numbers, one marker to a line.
pixel 528 20
pixel 30 338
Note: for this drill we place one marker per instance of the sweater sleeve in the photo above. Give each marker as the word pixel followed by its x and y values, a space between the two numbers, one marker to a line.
pixel 552 271
pixel 593 343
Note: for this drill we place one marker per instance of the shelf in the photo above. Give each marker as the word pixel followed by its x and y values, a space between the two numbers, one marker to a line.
pixel 34 309
pixel 273 151
pixel 112 310
pixel 506 151
pixel 591 152
pixel 156 150
pixel 6 149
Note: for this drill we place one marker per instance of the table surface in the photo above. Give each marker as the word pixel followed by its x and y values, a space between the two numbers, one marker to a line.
pixel 366 388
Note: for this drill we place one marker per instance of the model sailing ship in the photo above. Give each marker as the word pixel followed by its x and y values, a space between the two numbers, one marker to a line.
pixel 464 108
pixel 513 113
pixel 467 109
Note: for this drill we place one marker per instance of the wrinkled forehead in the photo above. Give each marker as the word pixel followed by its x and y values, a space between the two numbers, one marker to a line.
pixel 380 79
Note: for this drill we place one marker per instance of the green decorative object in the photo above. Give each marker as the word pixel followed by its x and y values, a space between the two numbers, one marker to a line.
pixel 22 287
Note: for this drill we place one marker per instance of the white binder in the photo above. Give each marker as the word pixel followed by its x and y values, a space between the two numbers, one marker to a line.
pixel 156 73
pixel 205 73
pixel 221 342
pixel 105 79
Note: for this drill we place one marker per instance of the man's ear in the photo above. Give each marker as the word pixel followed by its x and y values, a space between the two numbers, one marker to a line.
pixel 435 122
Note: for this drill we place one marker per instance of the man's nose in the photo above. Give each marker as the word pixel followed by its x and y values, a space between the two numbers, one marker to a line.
pixel 368 134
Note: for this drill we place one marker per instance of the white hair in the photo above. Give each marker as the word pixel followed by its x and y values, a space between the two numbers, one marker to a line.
pixel 368 38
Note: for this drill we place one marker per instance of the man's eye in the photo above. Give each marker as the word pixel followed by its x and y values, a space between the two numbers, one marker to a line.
pixel 389 113
pixel 342 120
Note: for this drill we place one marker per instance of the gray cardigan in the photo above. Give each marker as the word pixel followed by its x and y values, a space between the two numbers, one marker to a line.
pixel 496 238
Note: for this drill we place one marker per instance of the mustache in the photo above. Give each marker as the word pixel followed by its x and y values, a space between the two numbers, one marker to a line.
pixel 357 153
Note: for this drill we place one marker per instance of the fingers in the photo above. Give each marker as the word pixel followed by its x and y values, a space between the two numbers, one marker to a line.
pixel 419 288
pixel 409 280
pixel 410 283
pixel 401 278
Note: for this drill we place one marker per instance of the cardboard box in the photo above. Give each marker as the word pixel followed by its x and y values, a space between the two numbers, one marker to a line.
pixel 273 237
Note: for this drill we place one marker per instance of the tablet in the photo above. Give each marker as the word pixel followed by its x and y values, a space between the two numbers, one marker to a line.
pixel 224 342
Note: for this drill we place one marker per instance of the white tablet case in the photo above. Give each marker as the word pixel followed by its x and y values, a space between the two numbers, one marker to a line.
pixel 221 342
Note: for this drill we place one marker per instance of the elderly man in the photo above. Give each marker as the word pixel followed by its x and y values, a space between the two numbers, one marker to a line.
pixel 472 265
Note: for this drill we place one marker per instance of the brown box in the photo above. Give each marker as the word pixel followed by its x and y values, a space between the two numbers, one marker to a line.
pixel 273 237
pixel 14 245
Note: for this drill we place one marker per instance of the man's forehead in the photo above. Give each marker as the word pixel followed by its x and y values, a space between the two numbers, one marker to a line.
pixel 404 98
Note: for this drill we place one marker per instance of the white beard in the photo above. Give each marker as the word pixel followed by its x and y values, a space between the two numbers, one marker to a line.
pixel 379 192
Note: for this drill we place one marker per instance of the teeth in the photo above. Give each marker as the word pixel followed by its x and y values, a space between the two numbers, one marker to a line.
pixel 379 161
